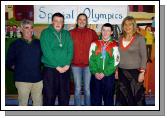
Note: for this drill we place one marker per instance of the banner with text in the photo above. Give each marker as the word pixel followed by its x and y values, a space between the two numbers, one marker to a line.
pixel 113 14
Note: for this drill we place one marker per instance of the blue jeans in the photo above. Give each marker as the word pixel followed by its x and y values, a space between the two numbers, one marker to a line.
pixel 79 73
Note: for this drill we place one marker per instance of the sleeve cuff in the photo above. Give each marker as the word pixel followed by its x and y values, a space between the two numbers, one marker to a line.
pixel 142 70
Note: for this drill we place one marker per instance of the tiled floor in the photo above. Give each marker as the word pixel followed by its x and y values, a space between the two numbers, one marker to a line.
pixel 11 100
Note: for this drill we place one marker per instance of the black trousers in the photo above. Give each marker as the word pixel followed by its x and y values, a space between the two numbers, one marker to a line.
pixel 102 90
pixel 55 84
pixel 130 92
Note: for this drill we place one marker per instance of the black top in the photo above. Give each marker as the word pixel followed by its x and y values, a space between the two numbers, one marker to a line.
pixel 26 57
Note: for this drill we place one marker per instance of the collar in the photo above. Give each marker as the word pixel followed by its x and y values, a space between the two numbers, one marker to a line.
pixel 110 39
pixel 131 42
pixel 27 41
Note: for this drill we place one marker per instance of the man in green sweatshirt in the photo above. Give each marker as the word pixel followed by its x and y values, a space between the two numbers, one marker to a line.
pixel 57 48
pixel 104 58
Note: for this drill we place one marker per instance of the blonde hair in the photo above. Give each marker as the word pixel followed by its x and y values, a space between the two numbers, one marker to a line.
pixel 129 18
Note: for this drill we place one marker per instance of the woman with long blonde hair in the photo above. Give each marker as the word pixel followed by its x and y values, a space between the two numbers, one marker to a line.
pixel 133 59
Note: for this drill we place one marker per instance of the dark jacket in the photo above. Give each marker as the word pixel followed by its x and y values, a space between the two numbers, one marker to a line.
pixel 26 58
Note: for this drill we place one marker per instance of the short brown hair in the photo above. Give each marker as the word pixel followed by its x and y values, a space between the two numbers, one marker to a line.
pixel 57 14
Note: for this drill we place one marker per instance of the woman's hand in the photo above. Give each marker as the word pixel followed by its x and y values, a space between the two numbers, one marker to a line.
pixel 141 77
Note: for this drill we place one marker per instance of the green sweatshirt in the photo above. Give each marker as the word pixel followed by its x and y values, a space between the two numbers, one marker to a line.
pixel 53 54
pixel 98 65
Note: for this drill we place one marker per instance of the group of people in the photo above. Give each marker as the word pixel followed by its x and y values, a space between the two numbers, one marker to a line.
pixel 95 62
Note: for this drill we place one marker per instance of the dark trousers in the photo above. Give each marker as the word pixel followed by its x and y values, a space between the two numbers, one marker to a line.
pixel 102 90
pixel 55 84
pixel 130 92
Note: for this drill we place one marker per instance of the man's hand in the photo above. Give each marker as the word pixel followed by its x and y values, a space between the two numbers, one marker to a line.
pixel 97 75
pixel 66 67
pixel 101 76
pixel 60 69
pixel 13 67
pixel 63 69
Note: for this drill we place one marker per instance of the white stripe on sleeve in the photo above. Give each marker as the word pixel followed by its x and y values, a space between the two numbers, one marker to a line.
pixel 116 55
pixel 92 48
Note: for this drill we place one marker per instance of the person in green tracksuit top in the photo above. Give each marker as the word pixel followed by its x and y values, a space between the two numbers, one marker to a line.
pixel 103 60
pixel 57 49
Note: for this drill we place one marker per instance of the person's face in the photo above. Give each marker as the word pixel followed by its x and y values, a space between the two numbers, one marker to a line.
pixel 81 21
pixel 27 31
pixel 106 32
pixel 58 23
pixel 128 27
